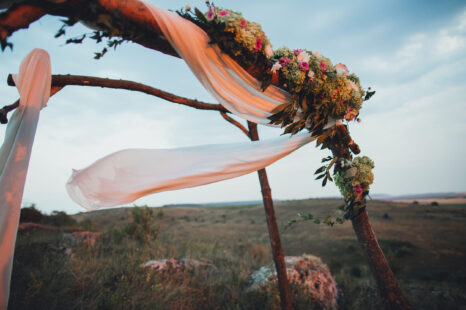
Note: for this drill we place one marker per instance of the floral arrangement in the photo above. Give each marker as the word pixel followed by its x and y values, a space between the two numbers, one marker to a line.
pixel 322 93
pixel 354 178
pixel 241 39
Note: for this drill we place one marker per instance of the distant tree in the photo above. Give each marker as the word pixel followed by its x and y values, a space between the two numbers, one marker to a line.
pixel 59 218
pixel 30 214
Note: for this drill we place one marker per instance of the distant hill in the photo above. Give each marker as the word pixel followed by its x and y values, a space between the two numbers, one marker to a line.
pixel 448 195
pixel 448 198
pixel 218 204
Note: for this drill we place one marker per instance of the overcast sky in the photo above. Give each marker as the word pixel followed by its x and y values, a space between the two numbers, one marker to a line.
pixel 411 52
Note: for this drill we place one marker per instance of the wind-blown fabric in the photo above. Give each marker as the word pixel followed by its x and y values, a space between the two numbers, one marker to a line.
pixel 231 85
pixel 127 175
pixel 33 83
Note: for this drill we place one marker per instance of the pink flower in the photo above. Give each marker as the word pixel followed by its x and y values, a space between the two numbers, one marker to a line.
pixel 303 66
pixel 323 66
pixel 357 189
pixel 311 74
pixel 297 51
pixel 244 23
pixel 210 14
pixel 284 61
pixel 258 43
pixel 223 13
pixel 341 69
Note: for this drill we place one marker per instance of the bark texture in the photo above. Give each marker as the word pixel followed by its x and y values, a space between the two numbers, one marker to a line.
pixel 387 285
pixel 274 233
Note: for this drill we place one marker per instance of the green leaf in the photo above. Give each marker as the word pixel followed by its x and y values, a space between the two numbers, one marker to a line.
pixel 320 176
pixel 316 221
pixel 306 217
pixel 328 158
pixel 200 15
pixel 321 169
pixel 369 94
pixel 324 182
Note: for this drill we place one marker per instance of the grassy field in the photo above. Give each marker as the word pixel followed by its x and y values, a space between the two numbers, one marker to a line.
pixel 424 245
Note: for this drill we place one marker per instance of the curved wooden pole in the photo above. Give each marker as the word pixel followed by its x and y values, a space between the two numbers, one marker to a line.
pixel 127 19
pixel 274 233
pixel 387 285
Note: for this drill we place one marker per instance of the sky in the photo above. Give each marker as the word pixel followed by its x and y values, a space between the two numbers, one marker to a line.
pixel 411 52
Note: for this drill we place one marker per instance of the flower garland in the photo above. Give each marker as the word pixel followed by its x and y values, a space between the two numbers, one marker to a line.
pixel 321 93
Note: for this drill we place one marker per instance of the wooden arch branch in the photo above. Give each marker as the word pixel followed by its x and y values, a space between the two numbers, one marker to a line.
pixel 60 81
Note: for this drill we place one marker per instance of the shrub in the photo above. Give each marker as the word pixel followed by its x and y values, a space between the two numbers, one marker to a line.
pixel 30 214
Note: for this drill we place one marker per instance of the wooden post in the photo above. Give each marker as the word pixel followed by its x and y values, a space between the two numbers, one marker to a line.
pixel 274 234
pixel 387 285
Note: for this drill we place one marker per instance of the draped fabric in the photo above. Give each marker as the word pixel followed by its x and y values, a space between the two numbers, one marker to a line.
pixel 127 175
pixel 231 85
pixel 33 83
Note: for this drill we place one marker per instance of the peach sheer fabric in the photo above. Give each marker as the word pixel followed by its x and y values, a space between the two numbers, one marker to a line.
pixel 33 83
pixel 231 85
pixel 127 175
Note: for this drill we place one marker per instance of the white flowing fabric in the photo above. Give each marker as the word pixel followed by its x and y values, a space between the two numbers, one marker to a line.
pixel 127 175
pixel 33 83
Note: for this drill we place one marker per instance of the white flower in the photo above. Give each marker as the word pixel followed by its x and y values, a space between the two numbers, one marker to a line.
pixel 268 51
pixel 304 57
pixel 276 66
pixel 311 74
pixel 187 7
pixel 353 85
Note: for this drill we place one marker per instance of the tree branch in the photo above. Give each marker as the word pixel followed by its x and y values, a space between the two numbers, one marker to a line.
pixel 128 19
pixel 60 81
pixel 18 17
pixel 235 122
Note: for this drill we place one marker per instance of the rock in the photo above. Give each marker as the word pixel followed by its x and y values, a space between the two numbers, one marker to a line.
pixel 174 265
pixel 305 270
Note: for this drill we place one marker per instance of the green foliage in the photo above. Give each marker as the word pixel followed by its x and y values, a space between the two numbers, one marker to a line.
pixel 142 226
pixel 56 218
pixel 59 218
pixel 31 214
pixel 109 274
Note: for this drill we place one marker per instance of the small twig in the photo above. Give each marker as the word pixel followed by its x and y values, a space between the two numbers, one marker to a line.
pixel 4 111
pixel 236 123
pixel 60 81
